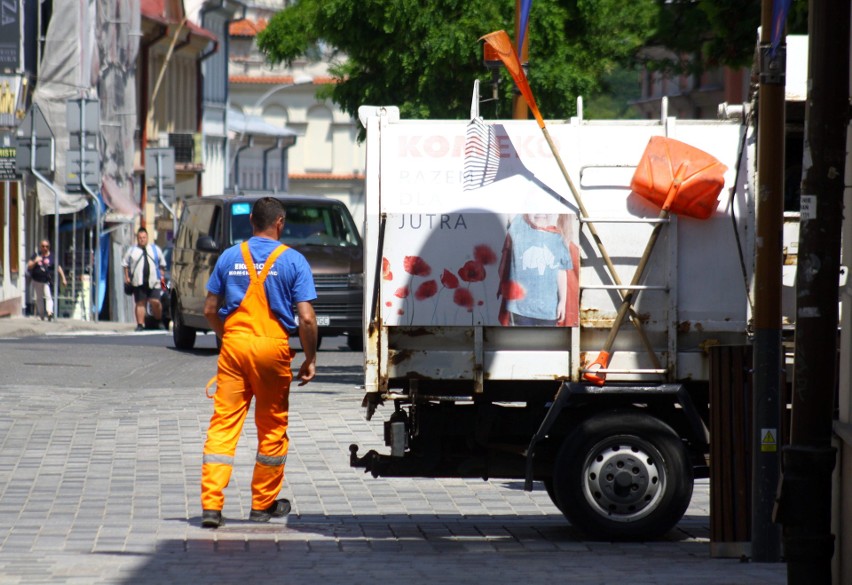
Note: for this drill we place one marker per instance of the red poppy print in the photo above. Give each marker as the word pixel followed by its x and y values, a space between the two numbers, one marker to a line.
pixel 426 290
pixel 512 290
pixel 449 280
pixel 401 292
pixel 386 271
pixel 416 265
pixel 472 271
pixel 484 254
pixel 463 298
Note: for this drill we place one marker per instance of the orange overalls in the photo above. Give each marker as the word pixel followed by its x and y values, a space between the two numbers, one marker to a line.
pixel 254 361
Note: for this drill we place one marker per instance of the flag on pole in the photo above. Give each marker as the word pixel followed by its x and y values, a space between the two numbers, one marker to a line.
pixel 525 19
pixel 500 42
pixel 780 8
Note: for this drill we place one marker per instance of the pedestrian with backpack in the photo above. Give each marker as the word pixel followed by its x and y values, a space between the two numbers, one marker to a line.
pixel 144 265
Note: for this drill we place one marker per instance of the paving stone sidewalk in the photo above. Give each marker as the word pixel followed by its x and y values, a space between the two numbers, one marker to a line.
pixel 100 484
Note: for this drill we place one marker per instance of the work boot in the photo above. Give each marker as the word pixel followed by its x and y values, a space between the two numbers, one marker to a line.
pixel 278 509
pixel 212 519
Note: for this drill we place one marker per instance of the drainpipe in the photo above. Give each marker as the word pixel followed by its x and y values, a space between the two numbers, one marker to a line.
pixel 146 59
pixel 249 144
pixel 279 143
pixel 226 44
pixel 199 101
pixel 768 357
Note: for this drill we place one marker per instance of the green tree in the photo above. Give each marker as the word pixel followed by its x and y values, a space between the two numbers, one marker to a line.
pixel 423 55
pixel 705 34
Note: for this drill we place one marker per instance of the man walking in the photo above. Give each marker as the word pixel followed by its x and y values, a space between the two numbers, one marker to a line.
pixel 250 298
pixel 143 270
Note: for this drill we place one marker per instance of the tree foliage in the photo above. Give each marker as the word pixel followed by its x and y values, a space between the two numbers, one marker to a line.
pixel 424 55
pixel 705 34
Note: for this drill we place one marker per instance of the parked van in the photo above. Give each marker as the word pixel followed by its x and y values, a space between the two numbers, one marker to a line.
pixel 321 228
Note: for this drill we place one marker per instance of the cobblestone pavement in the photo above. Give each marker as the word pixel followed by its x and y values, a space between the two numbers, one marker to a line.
pixel 100 484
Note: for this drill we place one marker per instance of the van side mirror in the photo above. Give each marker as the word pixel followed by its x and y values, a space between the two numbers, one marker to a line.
pixel 206 244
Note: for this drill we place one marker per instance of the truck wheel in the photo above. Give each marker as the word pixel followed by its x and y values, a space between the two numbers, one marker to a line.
pixel 184 337
pixel 551 491
pixel 623 476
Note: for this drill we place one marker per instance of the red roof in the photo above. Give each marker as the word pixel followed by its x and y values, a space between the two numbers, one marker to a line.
pixel 156 10
pixel 246 27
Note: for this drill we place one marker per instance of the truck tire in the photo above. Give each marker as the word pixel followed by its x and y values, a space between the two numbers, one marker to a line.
pixel 623 476
pixel 183 336
pixel 551 491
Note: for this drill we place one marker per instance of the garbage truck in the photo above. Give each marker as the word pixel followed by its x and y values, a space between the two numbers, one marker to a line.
pixel 532 314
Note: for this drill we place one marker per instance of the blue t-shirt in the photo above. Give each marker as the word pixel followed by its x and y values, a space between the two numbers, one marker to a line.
pixel 537 258
pixel 289 281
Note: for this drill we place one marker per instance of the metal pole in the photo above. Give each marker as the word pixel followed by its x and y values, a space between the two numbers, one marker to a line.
pixel 768 354
pixel 520 109
pixel 47 184
pixel 160 193
pixel 804 507
pixel 96 269
pixel 74 257
pixel 7 208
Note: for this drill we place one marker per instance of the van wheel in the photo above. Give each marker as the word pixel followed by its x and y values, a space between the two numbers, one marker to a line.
pixel 623 476
pixel 184 337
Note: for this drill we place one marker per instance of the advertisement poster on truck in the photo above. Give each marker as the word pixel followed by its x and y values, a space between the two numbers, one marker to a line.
pixel 459 251
pixel 472 267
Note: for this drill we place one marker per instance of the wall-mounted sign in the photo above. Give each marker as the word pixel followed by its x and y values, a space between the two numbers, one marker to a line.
pixel 7 157
pixel 10 35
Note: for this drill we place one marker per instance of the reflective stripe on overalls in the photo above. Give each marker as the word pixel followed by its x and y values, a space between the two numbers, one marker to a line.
pixel 254 361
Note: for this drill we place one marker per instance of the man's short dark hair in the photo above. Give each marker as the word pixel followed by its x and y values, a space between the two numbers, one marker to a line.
pixel 266 212
pixel 141 231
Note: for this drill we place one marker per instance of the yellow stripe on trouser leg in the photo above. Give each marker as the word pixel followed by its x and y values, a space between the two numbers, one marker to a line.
pixel 270 379
pixel 230 406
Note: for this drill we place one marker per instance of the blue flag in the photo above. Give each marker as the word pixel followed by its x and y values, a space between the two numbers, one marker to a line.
pixel 525 18
pixel 780 8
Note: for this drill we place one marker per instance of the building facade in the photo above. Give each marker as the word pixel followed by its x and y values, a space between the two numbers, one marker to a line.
pixel 326 157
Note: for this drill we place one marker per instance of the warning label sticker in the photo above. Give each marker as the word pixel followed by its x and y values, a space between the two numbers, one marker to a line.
pixel 768 440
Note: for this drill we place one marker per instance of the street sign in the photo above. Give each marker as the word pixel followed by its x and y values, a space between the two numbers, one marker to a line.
pixel 83 163
pixel 7 157
pixel 160 174
pixel 35 129
pixel 82 170
pixel 168 196
pixel 74 142
pixel 160 167
pixel 83 115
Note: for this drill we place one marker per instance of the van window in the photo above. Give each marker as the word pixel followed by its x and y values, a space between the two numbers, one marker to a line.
pixel 200 223
pixel 305 225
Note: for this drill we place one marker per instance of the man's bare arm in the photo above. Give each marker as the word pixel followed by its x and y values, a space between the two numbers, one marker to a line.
pixel 308 338
pixel 211 312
